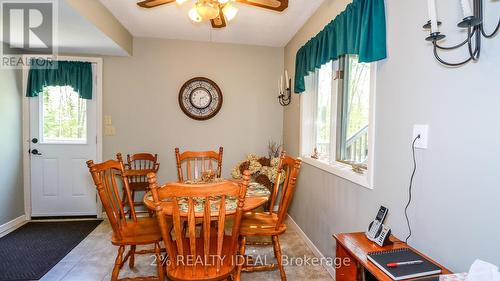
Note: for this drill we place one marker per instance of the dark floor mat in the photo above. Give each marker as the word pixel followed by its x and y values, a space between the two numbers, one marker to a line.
pixel 32 250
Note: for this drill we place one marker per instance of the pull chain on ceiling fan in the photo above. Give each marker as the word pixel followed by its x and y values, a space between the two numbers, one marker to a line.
pixel 218 11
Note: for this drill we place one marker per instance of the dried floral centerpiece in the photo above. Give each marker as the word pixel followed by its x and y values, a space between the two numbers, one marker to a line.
pixel 263 170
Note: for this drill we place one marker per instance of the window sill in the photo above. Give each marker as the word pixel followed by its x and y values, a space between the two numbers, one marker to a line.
pixel 342 170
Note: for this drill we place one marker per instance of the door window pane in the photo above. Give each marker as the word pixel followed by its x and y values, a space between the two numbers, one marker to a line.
pixel 355 102
pixel 64 115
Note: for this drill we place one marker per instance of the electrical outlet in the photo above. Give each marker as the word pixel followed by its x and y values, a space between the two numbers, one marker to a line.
pixel 423 131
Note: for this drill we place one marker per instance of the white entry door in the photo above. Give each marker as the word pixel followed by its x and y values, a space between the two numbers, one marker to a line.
pixel 62 138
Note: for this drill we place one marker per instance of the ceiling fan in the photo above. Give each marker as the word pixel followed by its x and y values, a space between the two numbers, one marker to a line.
pixel 219 12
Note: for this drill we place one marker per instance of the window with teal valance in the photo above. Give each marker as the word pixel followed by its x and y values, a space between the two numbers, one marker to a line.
pixel 76 74
pixel 358 30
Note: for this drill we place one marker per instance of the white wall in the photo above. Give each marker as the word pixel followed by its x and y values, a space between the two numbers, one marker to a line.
pixel 456 212
pixel 11 184
pixel 140 93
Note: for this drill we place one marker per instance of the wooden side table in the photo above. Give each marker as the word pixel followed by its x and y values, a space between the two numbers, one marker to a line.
pixel 352 249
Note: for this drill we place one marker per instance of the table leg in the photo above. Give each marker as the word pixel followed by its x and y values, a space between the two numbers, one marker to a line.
pixel 347 272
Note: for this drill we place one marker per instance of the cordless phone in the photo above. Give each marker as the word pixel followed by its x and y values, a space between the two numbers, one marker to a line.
pixel 377 231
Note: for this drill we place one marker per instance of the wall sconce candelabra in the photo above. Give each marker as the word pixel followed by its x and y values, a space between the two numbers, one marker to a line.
pixel 473 22
pixel 285 96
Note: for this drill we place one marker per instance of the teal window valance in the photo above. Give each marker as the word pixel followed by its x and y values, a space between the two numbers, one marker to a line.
pixel 76 74
pixel 358 30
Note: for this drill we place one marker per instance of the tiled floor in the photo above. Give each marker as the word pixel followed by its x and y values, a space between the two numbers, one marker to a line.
pixel 93 259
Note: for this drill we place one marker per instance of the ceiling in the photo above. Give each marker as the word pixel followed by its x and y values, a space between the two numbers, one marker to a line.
pixel 252 25
pixel 76 35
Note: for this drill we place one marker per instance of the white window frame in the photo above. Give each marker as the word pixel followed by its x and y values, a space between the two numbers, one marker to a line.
pixel 307 121
pixel 41 133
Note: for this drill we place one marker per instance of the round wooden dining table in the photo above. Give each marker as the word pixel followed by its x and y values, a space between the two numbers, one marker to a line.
pixel 256 196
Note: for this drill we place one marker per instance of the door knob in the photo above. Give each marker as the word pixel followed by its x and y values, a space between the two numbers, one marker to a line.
pixel 34 140
pixel 35 152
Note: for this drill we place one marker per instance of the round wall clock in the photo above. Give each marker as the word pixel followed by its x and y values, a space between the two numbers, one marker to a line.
pixel 200 98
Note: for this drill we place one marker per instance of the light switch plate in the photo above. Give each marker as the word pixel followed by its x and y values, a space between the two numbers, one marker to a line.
pixel 108 120
pixel 423 131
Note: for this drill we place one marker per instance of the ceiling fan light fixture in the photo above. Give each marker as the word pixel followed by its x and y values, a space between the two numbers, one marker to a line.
pixel 207 9
pixel 230 11
pixel 194 16
pixel 218 12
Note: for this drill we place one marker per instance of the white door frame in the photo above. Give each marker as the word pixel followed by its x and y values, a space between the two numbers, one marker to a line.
pixel 26 127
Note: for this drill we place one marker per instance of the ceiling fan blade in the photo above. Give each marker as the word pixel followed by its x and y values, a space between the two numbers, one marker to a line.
pixel 220 21
pixel 275 5
pixel 153 3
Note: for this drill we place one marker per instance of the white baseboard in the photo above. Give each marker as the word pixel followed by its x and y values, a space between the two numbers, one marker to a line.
pixel 12 225
pixel 310 244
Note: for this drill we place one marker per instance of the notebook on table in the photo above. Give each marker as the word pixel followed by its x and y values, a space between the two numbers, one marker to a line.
pixel 381 259
pixel 429 279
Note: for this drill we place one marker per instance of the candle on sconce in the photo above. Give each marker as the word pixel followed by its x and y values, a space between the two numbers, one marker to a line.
pixel 287 80
pixel 433 15
pixel 466 8
pixel 281 84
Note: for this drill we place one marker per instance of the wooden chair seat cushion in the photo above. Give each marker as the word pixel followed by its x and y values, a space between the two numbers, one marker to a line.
pixel 195 269
pixel 260 224
pixel 144 231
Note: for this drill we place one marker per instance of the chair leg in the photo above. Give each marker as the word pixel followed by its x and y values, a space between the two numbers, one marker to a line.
pixel 118 264
pixel 159 262
pixel 131 262
pixel 240 256
pixel 279 257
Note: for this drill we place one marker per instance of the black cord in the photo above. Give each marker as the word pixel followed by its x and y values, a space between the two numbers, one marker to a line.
pixel 411 187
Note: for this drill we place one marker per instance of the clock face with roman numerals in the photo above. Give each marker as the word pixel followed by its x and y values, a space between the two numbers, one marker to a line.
pixel 200 98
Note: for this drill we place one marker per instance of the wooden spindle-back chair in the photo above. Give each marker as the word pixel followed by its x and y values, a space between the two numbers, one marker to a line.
pixel 197 162
pixel 108 178
pixel 137 167
pixel 210 254
pixel 271 223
